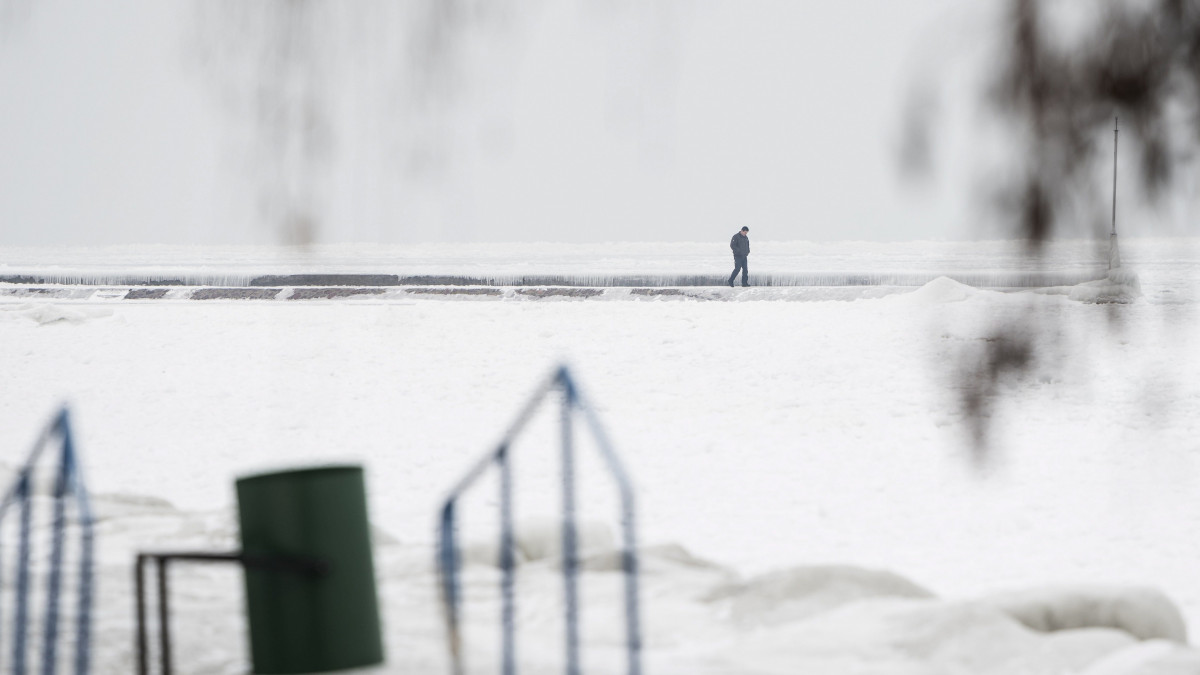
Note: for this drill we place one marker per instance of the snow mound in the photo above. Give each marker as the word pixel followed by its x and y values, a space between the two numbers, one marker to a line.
pixel 1144 613
pixel 540 539
pixel 794 594
pixel 50 314
pixel 943 290
pixel 1153 657
pixel 909 636
pixel 1121 285
pixel 657 559
pixel 114 505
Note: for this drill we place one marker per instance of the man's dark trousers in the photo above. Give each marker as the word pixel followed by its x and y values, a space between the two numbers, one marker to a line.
pixel 739 263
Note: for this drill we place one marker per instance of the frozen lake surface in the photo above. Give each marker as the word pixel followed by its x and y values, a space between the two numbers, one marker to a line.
pixel 761 436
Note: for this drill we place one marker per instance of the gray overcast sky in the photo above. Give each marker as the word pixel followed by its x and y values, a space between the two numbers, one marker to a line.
pixel 559 120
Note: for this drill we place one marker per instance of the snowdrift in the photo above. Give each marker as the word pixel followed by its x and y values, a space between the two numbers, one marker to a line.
pixel 698 617
pixel 831 619
pixel 1144 613
pixel 943 290
pixel 1121 285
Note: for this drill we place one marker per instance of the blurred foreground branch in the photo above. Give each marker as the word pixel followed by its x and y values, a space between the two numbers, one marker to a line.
pixel 1137 60
pixel 1064 71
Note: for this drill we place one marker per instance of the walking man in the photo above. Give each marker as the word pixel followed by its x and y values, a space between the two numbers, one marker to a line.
pixel 741 249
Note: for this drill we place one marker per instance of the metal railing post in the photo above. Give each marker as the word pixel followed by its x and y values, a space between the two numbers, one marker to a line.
pixel 507 564
pixel 164 617
pixel 21 621
pixel 54 584
pixel 570 536
pixel 447 548
pixel 139 584
pixel 67 487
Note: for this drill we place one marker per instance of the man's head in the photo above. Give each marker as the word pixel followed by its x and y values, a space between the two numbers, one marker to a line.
pixel 745 230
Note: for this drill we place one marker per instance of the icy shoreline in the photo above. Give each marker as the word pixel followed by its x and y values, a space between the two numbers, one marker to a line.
pixel 1169 265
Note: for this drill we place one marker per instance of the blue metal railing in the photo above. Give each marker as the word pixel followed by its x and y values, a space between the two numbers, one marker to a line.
pixel 68 487
pixel 448 558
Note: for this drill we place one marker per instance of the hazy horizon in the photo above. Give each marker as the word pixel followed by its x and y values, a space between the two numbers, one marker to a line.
pixel 187 122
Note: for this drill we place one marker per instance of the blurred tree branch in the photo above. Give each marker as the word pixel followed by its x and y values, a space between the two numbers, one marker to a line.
pixel 1136 60
pixel 1057 87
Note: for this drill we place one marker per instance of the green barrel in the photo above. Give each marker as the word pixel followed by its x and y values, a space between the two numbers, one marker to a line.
pixel 301 622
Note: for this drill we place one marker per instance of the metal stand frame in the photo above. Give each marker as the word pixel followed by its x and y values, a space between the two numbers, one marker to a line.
pixel 307 566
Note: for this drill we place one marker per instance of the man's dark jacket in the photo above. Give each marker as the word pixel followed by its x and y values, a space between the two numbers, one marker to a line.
pixel 740 244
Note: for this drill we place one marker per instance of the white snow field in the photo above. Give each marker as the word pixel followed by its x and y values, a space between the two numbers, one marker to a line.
pixel 809 494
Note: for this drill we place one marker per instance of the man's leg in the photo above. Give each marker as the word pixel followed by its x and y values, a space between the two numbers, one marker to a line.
pixel 745 271
pixel 737 264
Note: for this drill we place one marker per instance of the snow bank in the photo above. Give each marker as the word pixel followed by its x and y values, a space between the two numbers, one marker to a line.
pixel 43 314
pixel 801 592
pixel 942 290
pixel 668 558
pixel 905 636
pixel 1145 613
pixel 700 618
pixel 540 539
pixel 1154 657
pixel 1121 285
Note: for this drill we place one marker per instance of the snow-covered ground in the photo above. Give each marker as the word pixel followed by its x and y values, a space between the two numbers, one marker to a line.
pixel 761 436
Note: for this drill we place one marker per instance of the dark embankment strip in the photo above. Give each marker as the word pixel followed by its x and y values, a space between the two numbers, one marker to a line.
pixel 332 293
pixel 146 294
pixel 434 290
pixel 235 293
pixel 326 280
pixel 563 292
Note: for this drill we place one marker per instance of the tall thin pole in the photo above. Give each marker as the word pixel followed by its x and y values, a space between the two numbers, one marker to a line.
pixel 507 563
pixel 164 618
pixel 142 643
pixel 570 538
pixel 1116 130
